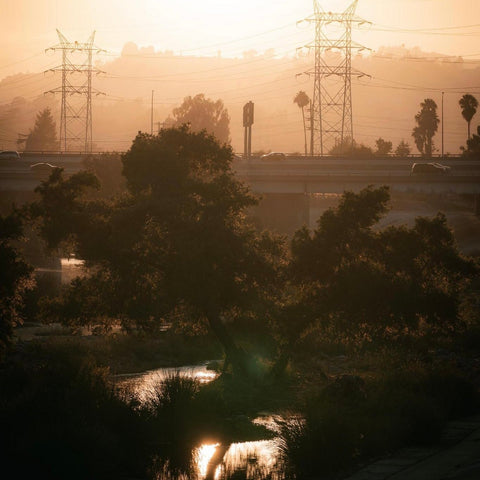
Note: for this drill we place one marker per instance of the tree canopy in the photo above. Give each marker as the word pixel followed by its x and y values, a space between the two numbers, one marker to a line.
pixel 43 137
pixel 204 114
pixel 16 279
pixel 177 240
pixel 403 149
pixel 359 280
pixel 384 147
pixel 427 125
pixel 473 146
pixel 351 148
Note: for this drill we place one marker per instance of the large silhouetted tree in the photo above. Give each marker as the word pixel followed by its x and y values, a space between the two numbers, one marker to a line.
pixel 43 137
pixel 176 241
pixel 348 276
pixel 204 114
pixel 427 124
pixel 469 104
pixel 302 100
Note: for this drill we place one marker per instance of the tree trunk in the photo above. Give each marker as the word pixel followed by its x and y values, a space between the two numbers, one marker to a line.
pixel 428 147
pixel 304 130
pixel 234 355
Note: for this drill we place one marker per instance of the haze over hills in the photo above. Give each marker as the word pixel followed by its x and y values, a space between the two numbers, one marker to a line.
pixel 383 105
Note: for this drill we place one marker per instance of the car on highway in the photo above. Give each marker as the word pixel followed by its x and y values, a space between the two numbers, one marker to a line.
pixel 42 170
pixel 9 154
pixel 431 168
pixel 273 156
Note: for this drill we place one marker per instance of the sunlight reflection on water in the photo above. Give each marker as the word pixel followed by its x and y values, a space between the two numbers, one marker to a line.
pixel 253 460
pixel 203 456
pixel 142 384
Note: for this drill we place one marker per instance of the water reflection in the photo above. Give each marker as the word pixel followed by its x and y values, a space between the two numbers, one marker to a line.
pixel 210 461
pixel 203 456
pixel 142 384
pixel 249 461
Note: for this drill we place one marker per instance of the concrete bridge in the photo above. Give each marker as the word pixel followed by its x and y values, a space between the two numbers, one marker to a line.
pixel 335 175
pixel 287 183
pixel 295 174
pixel 288 187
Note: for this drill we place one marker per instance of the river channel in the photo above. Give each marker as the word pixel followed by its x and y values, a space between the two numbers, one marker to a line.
pixel 213 461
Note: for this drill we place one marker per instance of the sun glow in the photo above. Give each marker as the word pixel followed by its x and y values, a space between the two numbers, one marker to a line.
pixel 204 455
pixel 205 377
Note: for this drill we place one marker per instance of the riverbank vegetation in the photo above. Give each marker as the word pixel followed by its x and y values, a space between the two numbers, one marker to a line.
pixel 360 339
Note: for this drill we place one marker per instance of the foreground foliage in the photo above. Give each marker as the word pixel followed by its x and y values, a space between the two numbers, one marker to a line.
pixel 16 279
pixel 62 417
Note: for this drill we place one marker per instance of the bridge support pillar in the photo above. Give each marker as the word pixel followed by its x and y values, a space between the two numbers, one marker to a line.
pixel 282 212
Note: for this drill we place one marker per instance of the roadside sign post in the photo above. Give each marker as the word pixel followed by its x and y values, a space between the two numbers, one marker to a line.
pixel 248 114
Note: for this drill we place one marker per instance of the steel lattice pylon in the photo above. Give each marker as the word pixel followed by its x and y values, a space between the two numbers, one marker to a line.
pixel 332 120
pixel 76 90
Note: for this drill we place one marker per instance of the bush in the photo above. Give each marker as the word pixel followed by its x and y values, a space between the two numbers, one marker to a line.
pixel 352 420
pixel 61 419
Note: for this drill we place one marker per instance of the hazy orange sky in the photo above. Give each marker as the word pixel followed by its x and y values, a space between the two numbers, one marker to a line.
pixel 231 27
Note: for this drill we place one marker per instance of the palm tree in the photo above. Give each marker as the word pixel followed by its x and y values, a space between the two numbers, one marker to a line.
pixel 468 104
pixel 427 124
pixel 302 100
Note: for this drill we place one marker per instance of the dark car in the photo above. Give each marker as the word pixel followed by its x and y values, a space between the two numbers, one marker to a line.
pixel 431 168
pixel 9 154
pixel 273 156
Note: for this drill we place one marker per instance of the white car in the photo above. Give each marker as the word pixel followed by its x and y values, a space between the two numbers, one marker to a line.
pixel 42 170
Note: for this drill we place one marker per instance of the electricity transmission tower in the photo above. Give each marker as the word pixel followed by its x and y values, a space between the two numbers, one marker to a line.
pixel 76 90
pixel 331 112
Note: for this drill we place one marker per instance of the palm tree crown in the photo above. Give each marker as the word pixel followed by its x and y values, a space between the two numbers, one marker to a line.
pixel 469 104
pixel 301 99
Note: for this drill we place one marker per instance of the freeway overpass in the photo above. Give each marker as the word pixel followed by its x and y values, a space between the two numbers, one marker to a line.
pixel 287 184
pixel 335 175
pixel 295 174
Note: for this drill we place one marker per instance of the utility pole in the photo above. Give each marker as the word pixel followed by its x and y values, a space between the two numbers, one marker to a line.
pixel 76 123
pixel 151 116
pixel 332 93
pixel 312 129
pixel 443 93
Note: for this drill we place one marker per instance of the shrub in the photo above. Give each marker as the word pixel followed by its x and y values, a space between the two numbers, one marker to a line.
pixel 61 419
pixel 351 420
